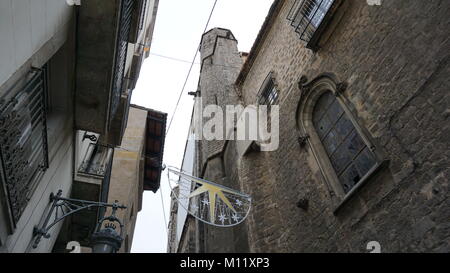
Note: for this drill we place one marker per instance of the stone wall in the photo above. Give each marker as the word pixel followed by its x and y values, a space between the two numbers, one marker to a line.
pixel 394 59
pixel 221 63
pixel 172 242
pixel 395 62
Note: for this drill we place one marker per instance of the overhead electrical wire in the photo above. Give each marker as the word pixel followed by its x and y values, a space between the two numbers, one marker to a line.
pixel 184 61
pixel 178 102
pixel 190 69
pixel 171 58
pixel 164 211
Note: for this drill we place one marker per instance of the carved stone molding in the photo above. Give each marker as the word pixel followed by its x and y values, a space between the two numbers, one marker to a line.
pixel 303 83
pixel 340 88
pixel 302 140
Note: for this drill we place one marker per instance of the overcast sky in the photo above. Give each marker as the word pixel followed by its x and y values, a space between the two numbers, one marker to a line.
pixel 178 30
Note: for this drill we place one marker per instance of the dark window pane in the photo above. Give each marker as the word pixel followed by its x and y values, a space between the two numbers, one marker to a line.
pixel 327 99
pixel 322 127
pixel 335 111
pixel 322 105
pixel 349 178
pixel 354 144
pixel 344 127
pixel 364 162
pixel 318 114
pixel 331 142
pixel 340 159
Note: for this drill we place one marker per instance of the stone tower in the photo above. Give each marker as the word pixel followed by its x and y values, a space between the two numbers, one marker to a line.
pixel 220 65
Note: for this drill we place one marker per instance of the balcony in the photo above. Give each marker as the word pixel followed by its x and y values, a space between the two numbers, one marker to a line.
pixel 96 161
pixel 91 182
pixel 105 30
pixel 23 142
pixel 309 18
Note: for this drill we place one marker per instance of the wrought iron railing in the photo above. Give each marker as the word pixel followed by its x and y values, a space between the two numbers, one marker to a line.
pixel 96 161
pixel 125 20
pixel 307 15
pixel 23 141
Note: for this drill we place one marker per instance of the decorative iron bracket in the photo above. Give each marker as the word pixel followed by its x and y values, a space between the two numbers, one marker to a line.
pixel 92 138
pixel 67 207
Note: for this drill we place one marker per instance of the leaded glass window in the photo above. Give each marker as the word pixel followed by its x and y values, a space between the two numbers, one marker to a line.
pixel 350 156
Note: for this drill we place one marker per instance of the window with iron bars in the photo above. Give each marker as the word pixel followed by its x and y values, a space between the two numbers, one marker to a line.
pixel 269 94
pixel 306 16
pixel 23 140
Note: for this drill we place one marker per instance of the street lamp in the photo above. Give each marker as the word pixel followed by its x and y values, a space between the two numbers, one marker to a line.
pixel 107 240
pixel 104 240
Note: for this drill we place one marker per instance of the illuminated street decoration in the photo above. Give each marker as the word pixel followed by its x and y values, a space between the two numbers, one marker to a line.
pixel 209 202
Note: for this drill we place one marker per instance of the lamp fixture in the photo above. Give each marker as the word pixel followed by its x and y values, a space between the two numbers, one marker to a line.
pixel 104 240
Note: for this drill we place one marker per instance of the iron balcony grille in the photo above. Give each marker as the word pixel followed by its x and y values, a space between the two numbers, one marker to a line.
pixel 126 12
pixel 97 160
pixel 23 142
pixel 307 15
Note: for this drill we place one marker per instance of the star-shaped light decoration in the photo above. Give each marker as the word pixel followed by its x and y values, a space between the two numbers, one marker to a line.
pixel 194 208
pixel 208 199
pixel 222 218
pixel 235 217
pixel 212 191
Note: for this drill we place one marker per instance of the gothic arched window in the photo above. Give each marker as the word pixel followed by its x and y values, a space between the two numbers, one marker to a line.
pixel 346 155
pixel 350 156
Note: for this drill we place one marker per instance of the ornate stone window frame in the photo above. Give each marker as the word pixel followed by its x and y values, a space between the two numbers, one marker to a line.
pixel 311 91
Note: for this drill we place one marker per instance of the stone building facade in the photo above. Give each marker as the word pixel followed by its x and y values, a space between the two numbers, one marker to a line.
pixel 380 70
pixel 131 165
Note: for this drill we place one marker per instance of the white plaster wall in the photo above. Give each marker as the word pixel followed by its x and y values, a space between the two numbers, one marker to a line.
pixel 25 26
pixel 34 30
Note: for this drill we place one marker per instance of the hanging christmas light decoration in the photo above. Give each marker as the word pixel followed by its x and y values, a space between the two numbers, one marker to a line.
pixel 207 201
